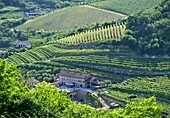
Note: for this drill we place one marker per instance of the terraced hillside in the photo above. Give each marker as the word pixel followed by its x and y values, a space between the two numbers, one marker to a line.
pixel 71 17
pixel 44 53
pixel 111 32
pixel 39 63
pixel 44 63
pixel 126 6
pixel 140 88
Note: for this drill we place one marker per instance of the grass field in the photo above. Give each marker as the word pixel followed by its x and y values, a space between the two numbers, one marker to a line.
pixel 71 17
pixel 126 6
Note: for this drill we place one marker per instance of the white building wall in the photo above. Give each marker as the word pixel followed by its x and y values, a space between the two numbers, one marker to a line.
pixel 28 46
pixel 78 82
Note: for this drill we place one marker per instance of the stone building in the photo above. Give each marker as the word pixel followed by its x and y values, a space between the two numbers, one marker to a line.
pixel 76 79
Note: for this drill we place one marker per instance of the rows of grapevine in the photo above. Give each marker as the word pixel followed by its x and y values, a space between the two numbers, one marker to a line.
pixel 103 33
pixel 126 6
pixel 49 51
pixel 158 86
pixel 43 67
pixel 122 99
pixel 71 17
pixel 147 64
pixel 141 87
pixel 48 71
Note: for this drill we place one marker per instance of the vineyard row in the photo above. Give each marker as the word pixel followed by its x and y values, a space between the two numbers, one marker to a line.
pixel 103 33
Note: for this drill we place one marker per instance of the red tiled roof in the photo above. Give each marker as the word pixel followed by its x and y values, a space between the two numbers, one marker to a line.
pixel 74 74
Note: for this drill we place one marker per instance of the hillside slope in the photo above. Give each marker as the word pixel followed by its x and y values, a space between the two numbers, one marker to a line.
pixel 71 17
pixel 126 6
pixel 149 30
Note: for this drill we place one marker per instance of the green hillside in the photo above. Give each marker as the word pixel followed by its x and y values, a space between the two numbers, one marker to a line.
pixel 47 101
pixel 149 30
pixel 71 17
pixel 126 6
pixel 141 87
pixel 45 62
pixel 115 32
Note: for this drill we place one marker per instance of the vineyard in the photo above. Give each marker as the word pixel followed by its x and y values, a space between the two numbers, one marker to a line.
pixel 48 71
pixel 45 62
pixel 141 87
pixel 118 48
pixel 158 86
pixel 126 6
pixel 38 63
pixel 141 64
pixel 112 68
pixel 49 51
pixel 63 19
pixel 97 35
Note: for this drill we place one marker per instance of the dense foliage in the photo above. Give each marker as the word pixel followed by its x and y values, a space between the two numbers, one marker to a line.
pixel 48 71
pixel 9 36
pixel 16 99
pixel 11 88
pixel 149 30
pixel 50 4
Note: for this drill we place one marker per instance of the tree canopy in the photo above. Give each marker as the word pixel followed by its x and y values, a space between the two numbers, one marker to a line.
pixel 148 31
pixel 12 89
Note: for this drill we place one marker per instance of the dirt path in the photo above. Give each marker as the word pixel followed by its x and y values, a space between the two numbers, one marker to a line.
pixel 102 9
pixel 104 104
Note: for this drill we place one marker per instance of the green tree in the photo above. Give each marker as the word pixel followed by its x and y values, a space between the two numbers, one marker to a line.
pixel 12 89
pixel 145 109
pixel 146 26
pixel 50 98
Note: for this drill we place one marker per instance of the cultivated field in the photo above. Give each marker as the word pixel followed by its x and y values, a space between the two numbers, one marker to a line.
pixel 71 17
pixel 40 63
pixel 99 34
pixel 141 88
pixel 126 6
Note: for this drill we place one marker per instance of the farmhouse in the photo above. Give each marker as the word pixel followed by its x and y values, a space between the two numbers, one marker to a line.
pixel 34 13
pixel 75 79
pixel 23 44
